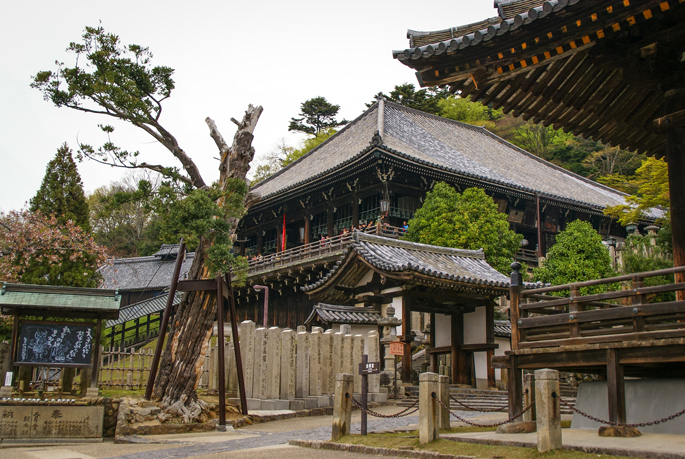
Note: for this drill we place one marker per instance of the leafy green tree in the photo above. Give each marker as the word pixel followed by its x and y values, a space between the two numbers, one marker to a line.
pixel 468 220
pixel 578 255
pixel 38 249
pixel 649 253
pixel 61 192
pixel 316 115
pixel 651 182
pixel 427 100
pixel 462 109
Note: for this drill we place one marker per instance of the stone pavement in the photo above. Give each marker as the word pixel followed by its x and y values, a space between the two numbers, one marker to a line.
pixel 649 445
pixel 207 444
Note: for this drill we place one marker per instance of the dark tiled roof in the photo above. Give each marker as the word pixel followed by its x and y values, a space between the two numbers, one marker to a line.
pixel 168 250
pixel 503 328
pixel 143 308
pixel 143 273
pixel 334 314
pixel 444 144
pixel 18 297
pixel 463 266
pixel 513 14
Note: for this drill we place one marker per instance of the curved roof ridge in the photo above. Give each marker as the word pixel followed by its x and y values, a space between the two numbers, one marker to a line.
pixel 374 239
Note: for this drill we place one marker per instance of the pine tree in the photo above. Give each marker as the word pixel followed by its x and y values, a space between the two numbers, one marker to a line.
pixel 61 192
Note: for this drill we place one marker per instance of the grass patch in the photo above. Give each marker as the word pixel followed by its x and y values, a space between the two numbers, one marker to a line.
pixel 411 440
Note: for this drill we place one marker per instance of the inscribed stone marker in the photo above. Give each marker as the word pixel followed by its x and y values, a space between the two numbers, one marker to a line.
pixel 288 350
pixel 302 379
pixel 315 363
pixel 247 329
pixel 273 363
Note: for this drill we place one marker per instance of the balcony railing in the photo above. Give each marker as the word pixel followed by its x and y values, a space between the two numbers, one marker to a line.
pixel 629 311
pixel 319 249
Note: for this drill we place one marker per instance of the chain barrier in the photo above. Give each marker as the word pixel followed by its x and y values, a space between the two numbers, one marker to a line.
pixel 495 424
pixel 610 423
pixel 401 414
pixel 488 410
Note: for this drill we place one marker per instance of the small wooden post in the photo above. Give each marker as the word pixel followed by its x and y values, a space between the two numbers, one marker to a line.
pixel 221 348
pixel 96 355
pixel 406 339
pixel 574 308
pixel 236 346
pixel 365 392
pixel 490 339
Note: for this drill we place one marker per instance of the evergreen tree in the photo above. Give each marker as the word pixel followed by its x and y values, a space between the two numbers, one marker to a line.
pixel 468 220
pixel 61 192
pixel 316 115
pixel 578 255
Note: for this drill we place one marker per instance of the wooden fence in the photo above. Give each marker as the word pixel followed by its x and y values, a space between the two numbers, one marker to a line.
pixel 628 311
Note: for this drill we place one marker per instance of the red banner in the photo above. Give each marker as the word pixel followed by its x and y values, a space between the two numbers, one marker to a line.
pixel 284 240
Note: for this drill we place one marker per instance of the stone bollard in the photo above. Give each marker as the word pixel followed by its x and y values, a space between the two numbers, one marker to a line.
pixel 444 396
pixel 342 405
pixel 429 415
pixel 547 409
pixel 528 396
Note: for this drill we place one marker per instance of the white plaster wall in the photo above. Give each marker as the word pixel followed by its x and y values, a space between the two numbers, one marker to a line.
pixel 443 330
pixel 481 361
pixel 397 304
pixel 474 327
pixel 366 279
pixel 504 345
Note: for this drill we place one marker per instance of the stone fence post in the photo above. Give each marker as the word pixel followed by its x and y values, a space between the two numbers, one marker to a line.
pixel 429 415
pixel 342 405
pixel 547 409
pixel 444 397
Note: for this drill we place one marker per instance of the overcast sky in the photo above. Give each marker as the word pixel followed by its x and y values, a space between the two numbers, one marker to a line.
pixel 227 54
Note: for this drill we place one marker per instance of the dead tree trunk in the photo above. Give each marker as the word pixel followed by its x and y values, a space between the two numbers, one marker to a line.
pixel 191 327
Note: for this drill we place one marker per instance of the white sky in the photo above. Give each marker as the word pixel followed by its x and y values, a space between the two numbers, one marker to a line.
pixel 227 54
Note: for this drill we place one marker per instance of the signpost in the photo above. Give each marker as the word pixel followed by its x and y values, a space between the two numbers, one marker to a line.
pixel 396 348
pixel 366 368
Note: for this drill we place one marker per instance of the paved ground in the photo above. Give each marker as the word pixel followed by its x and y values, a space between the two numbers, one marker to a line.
pixel 257 441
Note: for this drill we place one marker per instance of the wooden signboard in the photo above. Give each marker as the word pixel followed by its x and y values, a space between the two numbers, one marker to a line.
pixel 396 348
pixel 55 345
pixel 369 368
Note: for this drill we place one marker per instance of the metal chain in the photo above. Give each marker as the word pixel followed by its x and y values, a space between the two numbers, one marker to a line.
pixel 489 410
pixel 404 412
pixel 496 424
pixel 602 421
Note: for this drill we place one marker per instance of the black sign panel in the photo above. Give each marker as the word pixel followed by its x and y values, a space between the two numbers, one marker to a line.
pixel 55 345
pixel 369 368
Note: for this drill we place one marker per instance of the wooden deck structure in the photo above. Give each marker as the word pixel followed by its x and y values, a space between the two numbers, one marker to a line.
pixel 619 333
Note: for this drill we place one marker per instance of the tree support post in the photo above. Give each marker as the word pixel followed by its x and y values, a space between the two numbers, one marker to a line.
pixel 221 348
pixel 236 346
pixel 165 320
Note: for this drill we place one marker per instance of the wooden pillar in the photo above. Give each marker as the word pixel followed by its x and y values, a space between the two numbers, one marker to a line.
pixel 515 387
pixel 538 216
pixel 260 241
pixel 355 210
pixel 675 156
pixel 434 357
pixel 13 347
pixel 242 248
pixel 490 339
pixel 307 230
pixel 406 339
pixel 460 373
pixel 615 388
pixel 330 215
pixel 279 237
pixel 514 299
pixel 96 354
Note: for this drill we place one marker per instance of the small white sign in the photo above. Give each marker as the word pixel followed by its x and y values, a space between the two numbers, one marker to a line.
pixel 8 378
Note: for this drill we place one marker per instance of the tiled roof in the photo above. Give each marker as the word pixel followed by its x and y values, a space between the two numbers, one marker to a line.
pixel 512 15
pixel 334 314
pixel 463 266
pixel 444 144
pixel 143 308
pixel 143 273
pixel 18 297
pixel 503 328
pixel 167 250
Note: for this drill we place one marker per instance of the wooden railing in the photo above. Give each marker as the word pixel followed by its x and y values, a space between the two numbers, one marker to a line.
pixel 623 313
pixel 330 246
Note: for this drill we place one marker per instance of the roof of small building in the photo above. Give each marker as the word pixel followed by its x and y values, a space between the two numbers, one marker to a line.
pixel 145 273
pixel 450 146
pixel 503 328
pixel 144 308
pixel 28 299
pixel 439 264
pixel 335 314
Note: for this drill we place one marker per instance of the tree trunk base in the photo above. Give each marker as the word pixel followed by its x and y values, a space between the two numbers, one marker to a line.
pixel 190 412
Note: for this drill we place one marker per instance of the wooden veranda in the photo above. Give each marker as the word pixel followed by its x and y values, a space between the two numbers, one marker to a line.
pixel 626 331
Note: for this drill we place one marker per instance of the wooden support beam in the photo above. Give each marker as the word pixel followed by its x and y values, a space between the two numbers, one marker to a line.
pixel 675 156
pixel 615 387
pixel 515 387
pixel 406 339
pixel 668 122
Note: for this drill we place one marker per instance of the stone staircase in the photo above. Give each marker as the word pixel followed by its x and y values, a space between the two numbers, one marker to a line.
pixel 482 399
